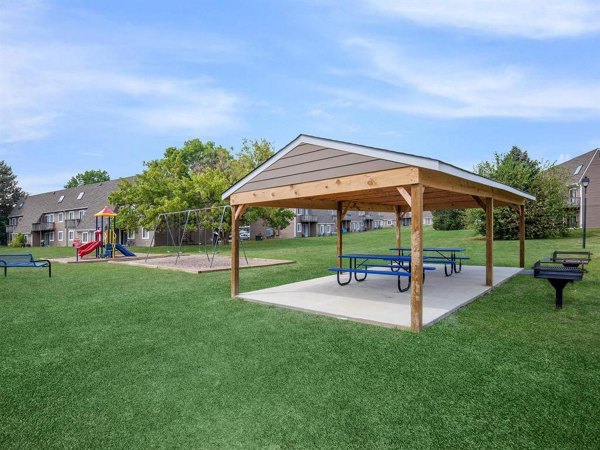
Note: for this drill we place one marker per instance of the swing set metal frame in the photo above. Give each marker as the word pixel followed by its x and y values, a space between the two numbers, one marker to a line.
pixel 185 216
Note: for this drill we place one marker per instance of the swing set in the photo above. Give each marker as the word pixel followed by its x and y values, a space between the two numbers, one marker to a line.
pixel 182 228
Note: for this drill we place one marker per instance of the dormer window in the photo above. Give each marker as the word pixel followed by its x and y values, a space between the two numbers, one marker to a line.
pixel 62 197
pixel 80 196
pixel 578 169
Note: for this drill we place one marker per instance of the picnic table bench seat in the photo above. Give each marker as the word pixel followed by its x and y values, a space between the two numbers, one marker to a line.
pixel 24 260
pixel 361 264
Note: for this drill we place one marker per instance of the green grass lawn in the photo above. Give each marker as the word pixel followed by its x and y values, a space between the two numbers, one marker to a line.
pixel 106 355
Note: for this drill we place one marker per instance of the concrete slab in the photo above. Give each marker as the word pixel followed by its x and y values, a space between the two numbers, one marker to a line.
pixel 377 300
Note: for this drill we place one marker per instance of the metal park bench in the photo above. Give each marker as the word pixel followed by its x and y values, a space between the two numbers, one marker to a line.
pixel 24 260
pixel 364 264
pixel 559 275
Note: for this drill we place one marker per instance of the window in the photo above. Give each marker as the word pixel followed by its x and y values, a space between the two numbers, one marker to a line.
pixel 84 237
pixel 321 229
pixel 60 235
pixel 62 197
pixel 80 196
pixel 389 222
pixel 145 234
pixel 61 218
pixel 328 229
pixel 51 236
pixel 578 169
pixel 298 228
pixel 71 215
pixel 71 235
pixel 131 234
pixel 81 213
pixel 299 211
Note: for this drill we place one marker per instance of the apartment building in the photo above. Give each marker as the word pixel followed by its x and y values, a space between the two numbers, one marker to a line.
pixel 586 165
pixel 62 217
pixel 322 222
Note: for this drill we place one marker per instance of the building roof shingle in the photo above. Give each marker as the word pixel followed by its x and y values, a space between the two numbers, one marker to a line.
pixel 95 197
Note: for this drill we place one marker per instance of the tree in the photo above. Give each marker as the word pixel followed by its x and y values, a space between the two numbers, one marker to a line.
pixel 88 177
pixel 276 218
pixel 10 193
pixel 452 219
pixel 191 177
pixel 544 218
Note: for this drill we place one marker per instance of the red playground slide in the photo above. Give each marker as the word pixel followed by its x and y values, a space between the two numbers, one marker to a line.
pixel 87 248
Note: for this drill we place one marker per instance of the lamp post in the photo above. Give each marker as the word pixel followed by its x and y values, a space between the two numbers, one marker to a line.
pixel 585 182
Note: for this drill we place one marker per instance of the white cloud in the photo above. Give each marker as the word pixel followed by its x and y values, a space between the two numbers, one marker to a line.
pixel 450 88
pixel 34 184
pixel 536 19
pixel 44 82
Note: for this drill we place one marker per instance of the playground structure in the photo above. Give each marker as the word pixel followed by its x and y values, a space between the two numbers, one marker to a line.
pixel 105 238
pixel 206 225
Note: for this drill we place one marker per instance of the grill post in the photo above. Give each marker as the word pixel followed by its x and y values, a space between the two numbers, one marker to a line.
pixel 558 286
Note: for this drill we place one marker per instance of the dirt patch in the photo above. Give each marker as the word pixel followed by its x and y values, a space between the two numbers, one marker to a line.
pixel 200 263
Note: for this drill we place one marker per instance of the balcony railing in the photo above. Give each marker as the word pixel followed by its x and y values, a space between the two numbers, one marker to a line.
pixel 574 201
pixel 72 223
pixel 306 218
pixel 42 226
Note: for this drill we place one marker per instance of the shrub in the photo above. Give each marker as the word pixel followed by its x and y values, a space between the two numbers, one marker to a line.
pixel 18 240
pixel 452 219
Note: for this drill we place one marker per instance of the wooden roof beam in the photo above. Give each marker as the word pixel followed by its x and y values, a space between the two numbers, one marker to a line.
pixel 341 185
pixel 451 183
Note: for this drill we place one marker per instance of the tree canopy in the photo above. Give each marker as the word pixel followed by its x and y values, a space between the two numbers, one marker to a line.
pixel 191 177
pixel 10 193
pixel 452 219
pixel 545 217
pixel 88 177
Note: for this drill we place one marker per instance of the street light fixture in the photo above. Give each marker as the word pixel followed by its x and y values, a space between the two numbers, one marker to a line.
pixel 585 182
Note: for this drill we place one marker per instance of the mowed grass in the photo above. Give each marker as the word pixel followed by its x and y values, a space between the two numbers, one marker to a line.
pixel 106 355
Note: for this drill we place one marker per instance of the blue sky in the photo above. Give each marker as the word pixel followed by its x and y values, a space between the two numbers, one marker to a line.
pixel 110 84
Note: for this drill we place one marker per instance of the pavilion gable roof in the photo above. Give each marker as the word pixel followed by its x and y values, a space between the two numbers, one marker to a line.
pixel 309 158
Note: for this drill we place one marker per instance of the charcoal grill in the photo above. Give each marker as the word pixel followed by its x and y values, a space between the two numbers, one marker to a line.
pixel 558 274
pixel 570 259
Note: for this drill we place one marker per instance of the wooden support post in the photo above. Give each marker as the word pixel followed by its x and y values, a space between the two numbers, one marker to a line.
pixel 339 218
pixel 489 241
pixel 235 251
pixel 416 239
pixel 399 214
pixel 522 236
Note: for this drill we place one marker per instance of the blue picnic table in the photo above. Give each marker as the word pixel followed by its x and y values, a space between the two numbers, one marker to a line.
pixel 365 264
pixel 438 255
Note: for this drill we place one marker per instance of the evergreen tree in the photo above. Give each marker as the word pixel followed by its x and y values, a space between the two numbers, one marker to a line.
pixel 10 193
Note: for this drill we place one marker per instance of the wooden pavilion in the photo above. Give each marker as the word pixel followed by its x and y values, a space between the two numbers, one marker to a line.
pixel 318 173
